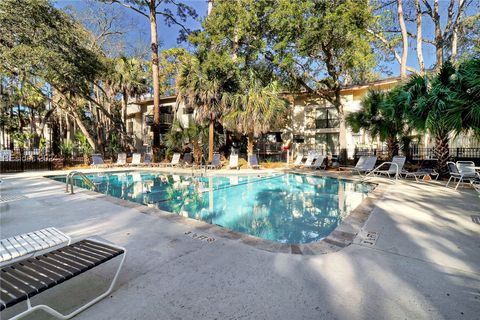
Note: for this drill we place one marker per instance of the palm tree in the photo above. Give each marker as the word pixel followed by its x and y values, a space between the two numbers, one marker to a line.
pixel 255 109
pixel 202 87
pixel 130 80
pixel 429 101
pixel 194 133
pixel 382 116
pixel 464 113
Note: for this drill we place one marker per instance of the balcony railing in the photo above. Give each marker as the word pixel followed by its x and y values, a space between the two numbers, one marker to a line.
pixel 165 118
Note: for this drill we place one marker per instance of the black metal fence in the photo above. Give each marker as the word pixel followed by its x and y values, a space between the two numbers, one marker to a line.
pixel 20 166
pixel 19 160
pixel 416 154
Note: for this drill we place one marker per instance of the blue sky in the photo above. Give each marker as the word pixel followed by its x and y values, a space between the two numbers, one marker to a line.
pixel 168 35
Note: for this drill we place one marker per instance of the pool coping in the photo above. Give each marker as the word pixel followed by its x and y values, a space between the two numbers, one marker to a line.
pixel 341 237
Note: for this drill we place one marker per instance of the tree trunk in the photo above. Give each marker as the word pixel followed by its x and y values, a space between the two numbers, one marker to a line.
pixel 392 147
pixel 403 29
pixel 124 117
pixel 438 37
pixel 442 153
pixel 155 74
pixel 82 127
pixel 197 151
pixel 250 143
pixel 418 20
pixel 454 50
pixel 210 7
pixel 211 139
pixel 342 137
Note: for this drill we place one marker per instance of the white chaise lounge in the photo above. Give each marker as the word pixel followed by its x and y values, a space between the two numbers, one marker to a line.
pixel 40 260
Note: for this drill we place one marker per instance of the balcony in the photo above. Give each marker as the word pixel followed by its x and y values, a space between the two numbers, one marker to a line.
pixel 165 119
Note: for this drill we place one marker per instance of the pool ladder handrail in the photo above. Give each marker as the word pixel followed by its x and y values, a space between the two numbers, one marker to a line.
pixel 70 176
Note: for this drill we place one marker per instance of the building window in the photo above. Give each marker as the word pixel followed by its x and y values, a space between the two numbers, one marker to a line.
pixel 130 127
pixel 298 138
pixel 328 141
pixel 188 110
pixel 327 118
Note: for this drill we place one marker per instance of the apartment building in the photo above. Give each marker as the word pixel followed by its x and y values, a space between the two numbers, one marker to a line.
pixel 314 124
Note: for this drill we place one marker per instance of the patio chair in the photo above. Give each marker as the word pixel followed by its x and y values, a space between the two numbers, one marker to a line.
pixel 476 184
pixel 310 158
pixel 121 159
pixel 175 161
pixel 31 244
pixel 420 173
pixel 318 163
pixel 136 159
pixel 188 159
pixel 147 158
pixel 253 161
pixel 364 165
pixel 30 276
pixel 216 163
pixel 234 162
pixel 97 160
pixel 462 171
pixel 298 160
pixel 395 168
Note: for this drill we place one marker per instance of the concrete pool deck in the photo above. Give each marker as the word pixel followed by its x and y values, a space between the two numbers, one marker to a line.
pixel 425 263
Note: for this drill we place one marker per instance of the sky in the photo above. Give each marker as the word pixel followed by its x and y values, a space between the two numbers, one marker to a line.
pixel 139 34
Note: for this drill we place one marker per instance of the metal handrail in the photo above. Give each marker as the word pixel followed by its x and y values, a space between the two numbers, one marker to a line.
pixel 70 176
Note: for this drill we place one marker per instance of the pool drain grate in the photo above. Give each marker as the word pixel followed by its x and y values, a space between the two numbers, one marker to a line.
pixel 10 197
pixel 200 237
pixel 476 219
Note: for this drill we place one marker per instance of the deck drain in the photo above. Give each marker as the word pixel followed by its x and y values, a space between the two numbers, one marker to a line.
pixel 370 238
pixel 476 219
pixel 10 197
pixel 200 237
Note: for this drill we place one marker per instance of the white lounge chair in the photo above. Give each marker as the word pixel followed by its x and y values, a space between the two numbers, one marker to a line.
pixel 462 171
pixel 318 163
pixel 234 162
pixel 310 158
pixel 363 166
pixel 31 244
pixel 253 161
pixel 121 159
pixel 298 160
pixel 136 159
pixel 175 161
pixel 420 173
pixel 58 262
pixel 216 163
pixel 476 184
pixel 395 168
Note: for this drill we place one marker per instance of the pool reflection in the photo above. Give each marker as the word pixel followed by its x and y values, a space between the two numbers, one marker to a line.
pixel 290 208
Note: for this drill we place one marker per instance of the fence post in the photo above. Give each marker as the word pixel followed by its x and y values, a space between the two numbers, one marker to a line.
pixel 22 167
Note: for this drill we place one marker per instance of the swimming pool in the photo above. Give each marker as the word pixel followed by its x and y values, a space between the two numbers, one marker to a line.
pixel 288 208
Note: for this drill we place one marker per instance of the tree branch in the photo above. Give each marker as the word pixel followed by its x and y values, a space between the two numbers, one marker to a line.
pixel 169 16
pixel 429 8
pixel 391 49
pixel 130 7
pixel 449 18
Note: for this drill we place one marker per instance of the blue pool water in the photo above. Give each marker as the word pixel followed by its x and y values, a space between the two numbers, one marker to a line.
pixel 287 208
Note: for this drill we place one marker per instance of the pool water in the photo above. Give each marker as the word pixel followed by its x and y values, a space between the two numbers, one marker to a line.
pixel 287 208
